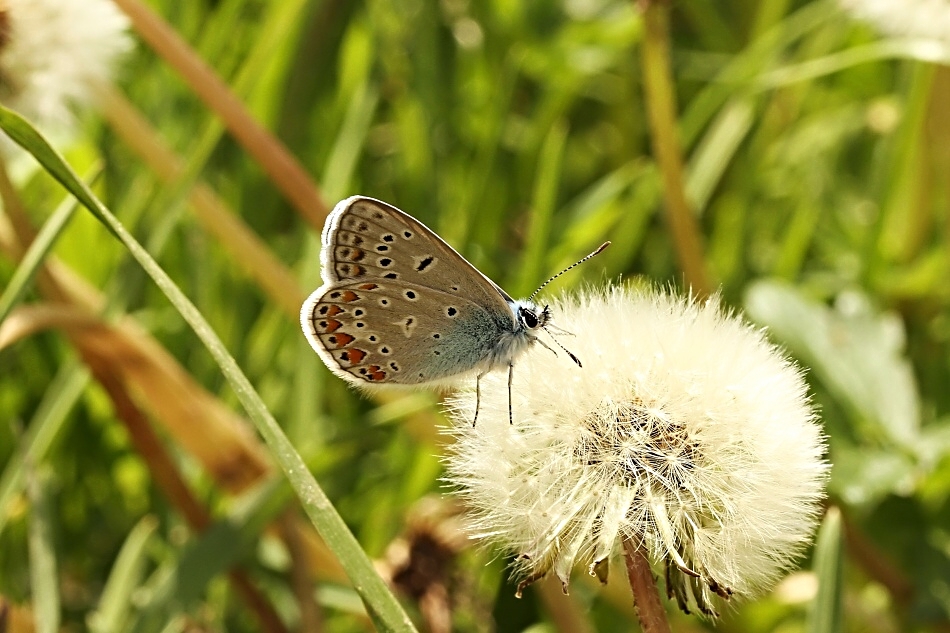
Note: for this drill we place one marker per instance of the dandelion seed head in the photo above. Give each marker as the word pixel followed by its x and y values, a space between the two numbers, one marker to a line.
pixel 923 19
pixel 685 430
pixel 53 52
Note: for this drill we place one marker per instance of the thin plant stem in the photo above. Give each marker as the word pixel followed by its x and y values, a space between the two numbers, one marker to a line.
pixel 301 578
pixel 566 614
pixel 281 166
pixel 661 110
pixel 646 597
pixel 877 564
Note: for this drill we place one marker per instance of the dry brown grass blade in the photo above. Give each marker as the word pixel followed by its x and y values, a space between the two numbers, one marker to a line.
pixel 165 473
pixel 280 165
pixel 198 421
pixel 89 334
pixel 242 244
pixel 15 618
pixel 301 574
pixel 217 438
pixel 201 424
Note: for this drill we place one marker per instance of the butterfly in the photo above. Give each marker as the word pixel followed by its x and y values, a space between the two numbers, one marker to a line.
pixel 399 306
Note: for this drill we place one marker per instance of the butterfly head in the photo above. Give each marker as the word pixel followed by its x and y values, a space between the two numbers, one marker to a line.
pixel 531 317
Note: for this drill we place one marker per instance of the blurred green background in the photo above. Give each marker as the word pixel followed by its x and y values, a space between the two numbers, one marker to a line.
pixel 817 163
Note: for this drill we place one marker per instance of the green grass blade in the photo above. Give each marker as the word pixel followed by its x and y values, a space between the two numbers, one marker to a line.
pixel 127 572
pixel 44 579
pixel 217 549
pixel 542 209
pixel 922 51
pixel 379 600
pixel 63 393
pixel 825 613
pixel 716 151
pixel 346 151
pixel 34 256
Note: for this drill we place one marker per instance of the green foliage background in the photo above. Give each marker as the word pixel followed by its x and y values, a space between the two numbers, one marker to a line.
pixel 818 164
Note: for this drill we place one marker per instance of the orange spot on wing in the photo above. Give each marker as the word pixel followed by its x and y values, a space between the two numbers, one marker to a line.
pixel 356 355
pixel 334 310
pixel 349 296
pixel 342 339
pixel 350 270
pixel 357 255
pixel 330 325
pixel 375 373
pixel 369 287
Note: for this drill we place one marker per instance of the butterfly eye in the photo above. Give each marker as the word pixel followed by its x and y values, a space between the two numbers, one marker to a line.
pixel 528 318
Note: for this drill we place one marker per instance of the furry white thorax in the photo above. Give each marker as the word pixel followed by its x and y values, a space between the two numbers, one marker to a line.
pixel 511 344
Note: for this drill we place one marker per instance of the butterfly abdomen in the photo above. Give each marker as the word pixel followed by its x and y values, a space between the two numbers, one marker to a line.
pixel 470 344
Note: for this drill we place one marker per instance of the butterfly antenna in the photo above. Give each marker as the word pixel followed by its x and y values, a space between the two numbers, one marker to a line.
pixel 577 263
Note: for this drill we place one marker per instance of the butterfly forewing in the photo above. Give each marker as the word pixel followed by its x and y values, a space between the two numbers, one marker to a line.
pixel 398 304
pixel 373 240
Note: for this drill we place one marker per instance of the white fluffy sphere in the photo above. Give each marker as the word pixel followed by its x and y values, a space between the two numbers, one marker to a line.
pixel 685 430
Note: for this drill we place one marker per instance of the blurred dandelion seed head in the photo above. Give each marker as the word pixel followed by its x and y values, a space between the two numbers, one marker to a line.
pixel 686 431
pixel 53 53
pixel 925 19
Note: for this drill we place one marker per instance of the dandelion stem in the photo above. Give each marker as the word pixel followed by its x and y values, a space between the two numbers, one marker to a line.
pixel 646 598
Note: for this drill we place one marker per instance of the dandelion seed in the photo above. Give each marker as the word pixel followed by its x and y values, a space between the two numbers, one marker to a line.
pixel 54 52
pixel 686 432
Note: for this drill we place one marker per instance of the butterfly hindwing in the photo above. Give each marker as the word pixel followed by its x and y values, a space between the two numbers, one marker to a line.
pixel 390 332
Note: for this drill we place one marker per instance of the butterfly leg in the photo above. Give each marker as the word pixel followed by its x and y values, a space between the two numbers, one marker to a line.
pixel 511 373
pixel 478 396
